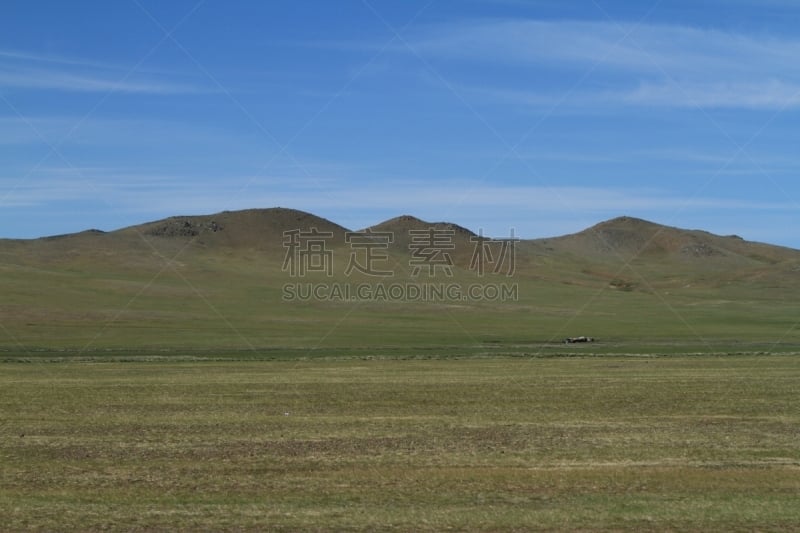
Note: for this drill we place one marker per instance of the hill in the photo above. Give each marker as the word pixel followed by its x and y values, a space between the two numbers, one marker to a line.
pixel 404 223
pixel 148 245
pixel 220 281
pixel 409 232
pixel 626 247
pixel 629 238
pixel 251 228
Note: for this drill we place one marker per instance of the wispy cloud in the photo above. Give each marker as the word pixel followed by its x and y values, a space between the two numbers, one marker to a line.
pixel 24 70
pixel 131 133
pixel 51 79
pixel 533 211
pixel 766 94
pixel 659 65
pixel 33 57
pixel 159 193
pixel 540 199
pixel 623 46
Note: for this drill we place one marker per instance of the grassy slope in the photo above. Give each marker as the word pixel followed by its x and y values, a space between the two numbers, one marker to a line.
pixel 222 291
pixel 617 319
pixel 682 443
pixel 236 304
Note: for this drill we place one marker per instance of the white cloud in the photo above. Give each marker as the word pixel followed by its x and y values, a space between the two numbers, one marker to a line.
pixel 25 70
pixel 623 46
pixel 54 79
pixel 659 65
pixel 541 199
pixel 533 211
pixel 104 132
pixel 153 193
pixel 33 57
pixel 768 94
pixel 41 192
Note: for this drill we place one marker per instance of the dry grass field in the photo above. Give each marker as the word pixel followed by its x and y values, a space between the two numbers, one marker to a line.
pixel 701 443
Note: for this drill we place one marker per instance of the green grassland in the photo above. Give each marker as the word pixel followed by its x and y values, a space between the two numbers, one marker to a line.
pixel 705 443
pixel 235 305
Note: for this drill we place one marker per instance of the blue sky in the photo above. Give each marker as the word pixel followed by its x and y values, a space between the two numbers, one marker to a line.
pixel 542 116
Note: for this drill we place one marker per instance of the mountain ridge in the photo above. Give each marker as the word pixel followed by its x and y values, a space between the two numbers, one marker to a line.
pixel 282 219
pixel 600 249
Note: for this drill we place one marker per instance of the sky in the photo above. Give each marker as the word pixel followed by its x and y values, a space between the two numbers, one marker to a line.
pixel 539 116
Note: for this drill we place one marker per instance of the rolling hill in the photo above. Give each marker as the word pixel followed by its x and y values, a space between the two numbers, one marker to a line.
pixel 627 238
pixel 238 281
pixel 670 256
